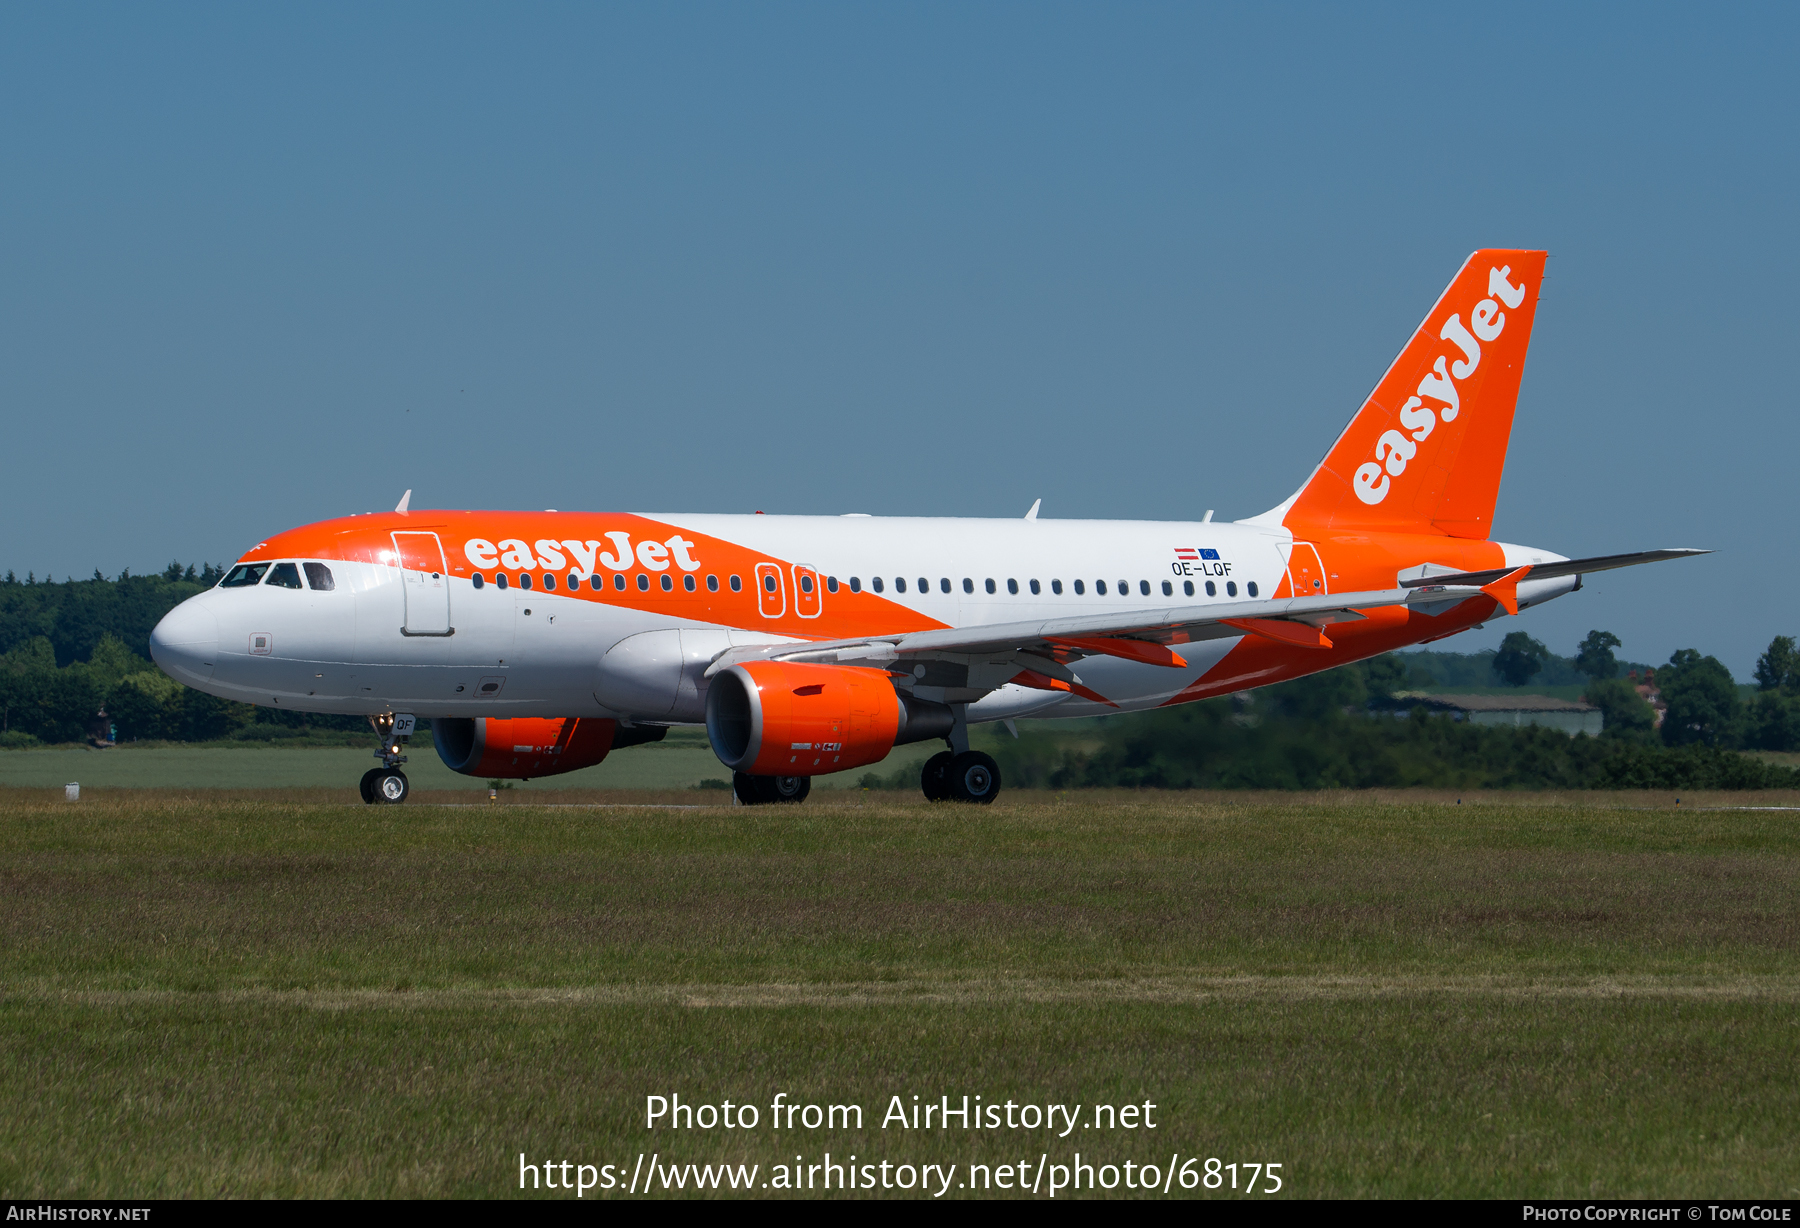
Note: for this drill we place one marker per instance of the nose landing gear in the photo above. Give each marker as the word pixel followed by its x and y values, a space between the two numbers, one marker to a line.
pixel 387 785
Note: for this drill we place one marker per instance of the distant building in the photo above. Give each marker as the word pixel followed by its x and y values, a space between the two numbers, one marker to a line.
pixel 1570 716
pixel 1646 686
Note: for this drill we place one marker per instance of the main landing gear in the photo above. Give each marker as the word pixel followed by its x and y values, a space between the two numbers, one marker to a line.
pixel 968 776
pixel 387 784
pixel 767 790
pixel 960 774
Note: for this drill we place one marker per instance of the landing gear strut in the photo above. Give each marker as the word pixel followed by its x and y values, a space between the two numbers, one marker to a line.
pixel 387 784
pixel 767 790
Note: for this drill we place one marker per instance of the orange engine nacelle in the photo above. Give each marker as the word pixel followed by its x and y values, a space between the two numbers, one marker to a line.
pixel 778 718
pixel 520 748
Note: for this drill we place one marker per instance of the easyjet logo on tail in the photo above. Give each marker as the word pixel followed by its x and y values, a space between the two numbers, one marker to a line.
pixel 1437 397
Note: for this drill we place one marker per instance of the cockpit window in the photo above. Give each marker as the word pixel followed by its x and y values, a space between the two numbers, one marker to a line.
pixel 244 575
pixel 318 576
pixel 284 575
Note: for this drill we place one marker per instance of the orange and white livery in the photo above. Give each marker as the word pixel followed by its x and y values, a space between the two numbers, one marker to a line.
pixel 538 642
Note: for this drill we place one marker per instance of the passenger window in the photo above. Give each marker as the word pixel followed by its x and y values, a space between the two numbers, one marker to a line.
pixel 712 584
pixel 318 576
pixel 478 580
pixel 769 583
pixel 1251 588
pixel 831 584
pixel 643 582
pixel 499 579
pixel 285 575
pixel 990 586
pixel 856 584
pixel 737 585
pixel 899 584
pixel 618 584
pixel 806 584
pixel 1144 587
pixel 549 583
pixel 969 585
pixel 1187 587
pixel 1168 588
pixel 244 575
pixel 668 583
pixel 1034 588
pixel 1055 586
pixel 876 581
pixel 1012 586
pixel 1211 589
pixel 689 583
pixel 1231 588
pixel 524 579
pixel 1099 587
pixel 594 583
pixel 1080 588
pixel 1124 588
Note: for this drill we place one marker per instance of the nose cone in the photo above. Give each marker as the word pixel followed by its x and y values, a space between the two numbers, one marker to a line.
pixel 186 643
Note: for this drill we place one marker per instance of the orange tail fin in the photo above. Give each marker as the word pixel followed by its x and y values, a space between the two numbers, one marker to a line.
pixel 1426 451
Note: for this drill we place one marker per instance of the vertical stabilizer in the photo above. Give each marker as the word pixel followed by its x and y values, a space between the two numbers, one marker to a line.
pixel 1426 451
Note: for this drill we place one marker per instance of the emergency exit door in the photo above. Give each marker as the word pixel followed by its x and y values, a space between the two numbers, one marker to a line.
pixel 771 593
pixel 427 586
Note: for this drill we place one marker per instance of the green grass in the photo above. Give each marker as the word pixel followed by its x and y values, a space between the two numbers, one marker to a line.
pixel 680 762
pixel 231 994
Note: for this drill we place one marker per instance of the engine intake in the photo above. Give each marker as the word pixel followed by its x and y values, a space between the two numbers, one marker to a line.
pixel 780 718
pixel 520 748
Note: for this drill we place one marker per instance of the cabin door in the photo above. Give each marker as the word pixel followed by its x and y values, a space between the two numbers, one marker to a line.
pixel 421 560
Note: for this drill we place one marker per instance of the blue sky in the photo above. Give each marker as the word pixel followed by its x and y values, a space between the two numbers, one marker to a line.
pixel 260 267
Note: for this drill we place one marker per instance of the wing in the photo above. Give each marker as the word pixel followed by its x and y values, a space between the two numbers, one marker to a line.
pixel 1038 652
pixel 960 664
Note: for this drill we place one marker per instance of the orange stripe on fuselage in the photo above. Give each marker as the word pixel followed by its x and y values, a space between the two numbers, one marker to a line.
pixel 843 614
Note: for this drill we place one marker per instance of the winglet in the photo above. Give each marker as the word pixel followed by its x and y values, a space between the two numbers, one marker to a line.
pixel 404 500
pixel 1505 590
pixel 1032 514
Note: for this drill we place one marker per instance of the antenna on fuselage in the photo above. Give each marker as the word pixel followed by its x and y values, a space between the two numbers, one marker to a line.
pixel 1032 514
pixel 404 500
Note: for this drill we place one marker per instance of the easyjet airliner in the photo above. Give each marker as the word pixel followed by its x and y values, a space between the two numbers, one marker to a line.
pixel 540 642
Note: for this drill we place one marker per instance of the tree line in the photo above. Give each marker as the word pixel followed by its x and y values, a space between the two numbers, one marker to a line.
pixel 75 665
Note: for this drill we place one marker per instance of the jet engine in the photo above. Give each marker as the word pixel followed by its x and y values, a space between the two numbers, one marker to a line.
pixel 779 718
pixel 519 748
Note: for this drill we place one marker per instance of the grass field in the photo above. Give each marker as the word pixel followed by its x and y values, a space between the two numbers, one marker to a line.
pixel 243 993
pixel 682 761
